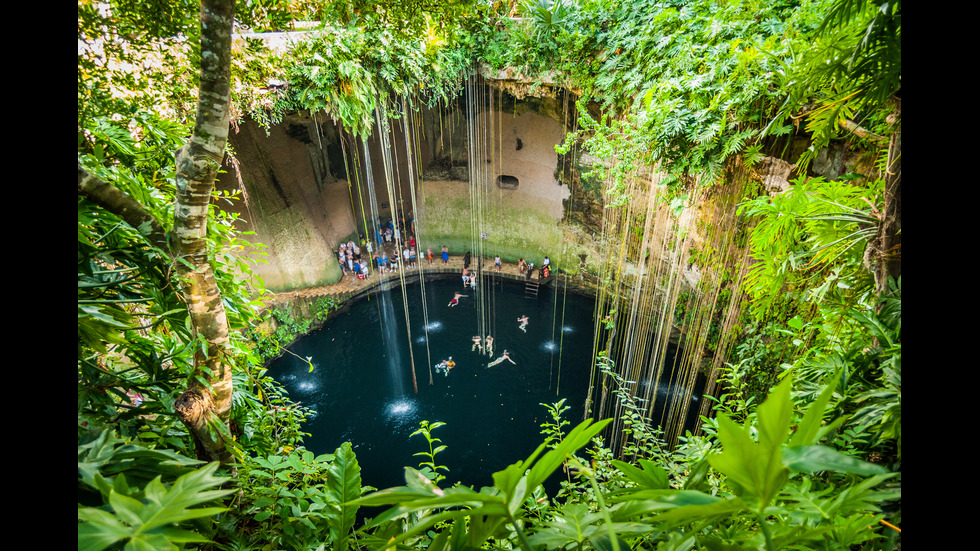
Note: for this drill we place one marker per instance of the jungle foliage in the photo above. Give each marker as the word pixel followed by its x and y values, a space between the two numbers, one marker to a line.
pixel 804 448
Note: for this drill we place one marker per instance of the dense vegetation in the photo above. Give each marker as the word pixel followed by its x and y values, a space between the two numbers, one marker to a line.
pixel 804 448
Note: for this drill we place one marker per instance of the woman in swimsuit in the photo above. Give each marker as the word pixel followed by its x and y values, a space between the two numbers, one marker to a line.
pixel 502 357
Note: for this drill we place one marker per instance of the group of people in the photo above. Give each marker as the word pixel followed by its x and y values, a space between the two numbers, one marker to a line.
pixel 349 256
pixel 395 244
pixel 526 269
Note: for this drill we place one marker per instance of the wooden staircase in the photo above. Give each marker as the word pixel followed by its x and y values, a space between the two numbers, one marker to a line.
pixel 531 288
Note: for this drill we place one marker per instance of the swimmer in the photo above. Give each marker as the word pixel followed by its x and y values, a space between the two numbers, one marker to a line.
pixel 446 364
pixel 476 344
pixel 523 326
pixel 455 299
pixel 502 357
pixel 489 344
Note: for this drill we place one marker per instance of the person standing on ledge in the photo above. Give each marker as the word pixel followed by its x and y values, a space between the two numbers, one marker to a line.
pixel 445 254
pixel 496 263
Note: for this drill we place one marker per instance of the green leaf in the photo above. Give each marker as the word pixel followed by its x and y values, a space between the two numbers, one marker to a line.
pixel 811 459
pixel 343 487
pixel 809 428
pixel 649 476
pixel 151 521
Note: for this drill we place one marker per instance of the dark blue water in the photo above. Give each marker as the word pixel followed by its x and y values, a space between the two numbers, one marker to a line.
pixel 362 386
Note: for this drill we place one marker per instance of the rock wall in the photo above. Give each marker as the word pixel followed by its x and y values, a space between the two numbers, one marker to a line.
pixel 296 201
pixel 305 185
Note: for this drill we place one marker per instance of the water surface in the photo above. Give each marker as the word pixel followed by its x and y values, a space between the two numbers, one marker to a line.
pixel 362 386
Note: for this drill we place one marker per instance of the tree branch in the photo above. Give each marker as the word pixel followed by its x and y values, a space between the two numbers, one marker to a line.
pixel 122 205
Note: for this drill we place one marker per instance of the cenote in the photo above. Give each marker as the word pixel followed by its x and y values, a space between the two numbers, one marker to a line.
pixel 361 387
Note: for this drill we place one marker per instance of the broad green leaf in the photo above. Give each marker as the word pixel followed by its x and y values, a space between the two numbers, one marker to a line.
pixel 649 476
pixel 809 428
pixel 811 459
pixel 343 487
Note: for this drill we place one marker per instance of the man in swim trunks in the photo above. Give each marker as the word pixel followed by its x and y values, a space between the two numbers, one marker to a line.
pixel 445 254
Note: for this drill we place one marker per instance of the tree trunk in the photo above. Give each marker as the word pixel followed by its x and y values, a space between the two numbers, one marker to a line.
pixel 207 399
pixel 890 235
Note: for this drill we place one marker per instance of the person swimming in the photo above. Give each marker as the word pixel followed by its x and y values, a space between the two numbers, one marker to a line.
pixel 488 342
pixel 523 325
pixel 455 299
pixel 446 365
pixel 504 356
pixel 477 343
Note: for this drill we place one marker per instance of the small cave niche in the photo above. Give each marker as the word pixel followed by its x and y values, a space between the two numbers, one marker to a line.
pixel 506 181
pixel 520 144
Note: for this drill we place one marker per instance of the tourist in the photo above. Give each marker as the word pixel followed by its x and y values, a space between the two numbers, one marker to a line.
pixel 504 356
pixel 388 235
pixel 496 263
pixel 455 299
pixel 545 272
pixel 445 254
pixel 476 344
pixel 521 266
pixel 466 277
pixel 446 365
pixel 428 255
pixel 523 325
pixel 412 255
pixel 546 262
pixel 350 262
pixel 342 255
pixel 488 342
pixel 405 253
pixel 393 260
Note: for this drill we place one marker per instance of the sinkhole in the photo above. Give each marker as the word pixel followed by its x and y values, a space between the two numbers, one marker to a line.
pixel 361 387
